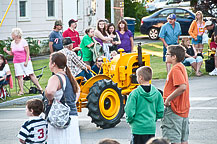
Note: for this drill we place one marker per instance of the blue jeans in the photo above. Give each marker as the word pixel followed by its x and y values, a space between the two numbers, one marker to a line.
pixel 85 74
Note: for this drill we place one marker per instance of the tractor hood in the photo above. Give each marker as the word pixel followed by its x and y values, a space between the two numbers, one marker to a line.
pixel 151 96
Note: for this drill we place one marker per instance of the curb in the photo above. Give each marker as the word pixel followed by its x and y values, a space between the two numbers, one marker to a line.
pixel 19 101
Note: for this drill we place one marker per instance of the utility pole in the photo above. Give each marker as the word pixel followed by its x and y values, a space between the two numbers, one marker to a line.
pixel 118 11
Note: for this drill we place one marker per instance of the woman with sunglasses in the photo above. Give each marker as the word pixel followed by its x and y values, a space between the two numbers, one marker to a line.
pixel 97 68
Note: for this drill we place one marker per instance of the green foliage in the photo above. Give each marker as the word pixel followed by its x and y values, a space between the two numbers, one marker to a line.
pixel 34 45
pixel 108 10
pixel 135 10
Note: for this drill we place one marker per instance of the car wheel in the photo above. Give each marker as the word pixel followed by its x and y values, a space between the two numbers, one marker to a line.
pixel 153 33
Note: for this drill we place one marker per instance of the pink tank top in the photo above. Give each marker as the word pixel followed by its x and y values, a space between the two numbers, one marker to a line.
pixel 19 51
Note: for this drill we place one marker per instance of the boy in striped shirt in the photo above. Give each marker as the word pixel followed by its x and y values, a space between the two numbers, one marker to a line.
pixel 33 130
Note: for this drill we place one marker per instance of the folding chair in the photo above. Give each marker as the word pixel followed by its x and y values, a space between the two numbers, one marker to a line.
pixel 190 72
pixel 5 88
pixel 29 86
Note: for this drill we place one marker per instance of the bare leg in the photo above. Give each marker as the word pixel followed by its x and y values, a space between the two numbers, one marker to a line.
pixel 197 48
pixel 184 142
pixel 215 60
pixel 20 83
pixel 35 81
pixel 168 67
pixel 200 47
pixel 199 66
pixel 194 66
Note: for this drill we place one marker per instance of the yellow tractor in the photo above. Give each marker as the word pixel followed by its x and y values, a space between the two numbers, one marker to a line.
pixel 105 94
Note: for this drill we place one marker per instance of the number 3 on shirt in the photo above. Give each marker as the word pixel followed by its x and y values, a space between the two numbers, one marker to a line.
pixel 40 133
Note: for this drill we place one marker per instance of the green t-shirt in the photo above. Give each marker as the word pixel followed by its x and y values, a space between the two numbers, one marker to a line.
pixel 87 53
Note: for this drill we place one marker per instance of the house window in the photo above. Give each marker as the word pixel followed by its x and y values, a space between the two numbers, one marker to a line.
pixel 52 9
pixel 24 10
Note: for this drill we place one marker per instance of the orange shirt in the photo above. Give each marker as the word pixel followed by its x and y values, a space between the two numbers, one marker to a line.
pixel 177 76
pixel 193 30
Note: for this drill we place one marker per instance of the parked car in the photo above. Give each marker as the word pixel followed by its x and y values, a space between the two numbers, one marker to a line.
pixel 152 24
pixel 155 5
pixel 177 3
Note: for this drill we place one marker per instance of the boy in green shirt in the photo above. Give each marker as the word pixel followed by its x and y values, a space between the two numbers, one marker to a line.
pixel 143 107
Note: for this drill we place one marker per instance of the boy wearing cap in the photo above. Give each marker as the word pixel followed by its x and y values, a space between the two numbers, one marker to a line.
pixel 213 27
pixel 72 33
pixel 169 35
pixel 76 66
pixel 56 38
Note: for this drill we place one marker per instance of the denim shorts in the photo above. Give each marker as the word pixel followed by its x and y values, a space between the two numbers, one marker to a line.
pixel 199 40
pixel 191 60
pixel 174 127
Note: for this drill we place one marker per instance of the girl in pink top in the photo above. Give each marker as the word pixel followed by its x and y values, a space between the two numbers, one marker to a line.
pixel 21 60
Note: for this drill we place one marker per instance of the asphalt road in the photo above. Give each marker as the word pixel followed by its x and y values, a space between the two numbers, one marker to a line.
pixel 203 118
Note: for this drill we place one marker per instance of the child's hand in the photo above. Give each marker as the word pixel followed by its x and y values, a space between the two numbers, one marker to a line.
pixel 167 103
pixel 5 49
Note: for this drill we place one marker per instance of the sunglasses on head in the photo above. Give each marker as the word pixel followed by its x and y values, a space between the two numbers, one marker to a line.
pixel 99 60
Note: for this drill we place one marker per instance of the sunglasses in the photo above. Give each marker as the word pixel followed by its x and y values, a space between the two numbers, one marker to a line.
pixel 99 60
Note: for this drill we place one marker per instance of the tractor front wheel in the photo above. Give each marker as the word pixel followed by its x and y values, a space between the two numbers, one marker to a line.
pixel 105 103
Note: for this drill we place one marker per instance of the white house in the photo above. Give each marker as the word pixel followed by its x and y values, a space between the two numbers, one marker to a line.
pixel 36 17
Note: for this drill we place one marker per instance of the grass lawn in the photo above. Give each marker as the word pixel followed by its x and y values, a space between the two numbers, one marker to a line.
pixel 157 64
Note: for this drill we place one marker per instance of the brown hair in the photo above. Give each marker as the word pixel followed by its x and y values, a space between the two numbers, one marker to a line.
pixel 110 25
pixel 99 29
pixel 108 141
pixel 178 51
pixel 145 72
pixel 125 25
pixel 60 60
pixel 184 41
pixel 36 105
pixel 157 141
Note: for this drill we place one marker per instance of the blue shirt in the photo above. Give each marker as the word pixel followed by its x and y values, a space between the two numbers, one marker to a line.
pixel 57 39
pixel 170 34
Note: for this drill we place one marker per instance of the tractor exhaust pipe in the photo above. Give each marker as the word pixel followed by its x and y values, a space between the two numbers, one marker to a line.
pixel 139 54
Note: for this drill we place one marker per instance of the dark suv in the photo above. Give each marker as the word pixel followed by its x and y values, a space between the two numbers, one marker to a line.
pixel 151 25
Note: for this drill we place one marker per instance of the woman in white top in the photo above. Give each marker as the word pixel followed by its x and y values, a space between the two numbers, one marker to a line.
pixel 53 90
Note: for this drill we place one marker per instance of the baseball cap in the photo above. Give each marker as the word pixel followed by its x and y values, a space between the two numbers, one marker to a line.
pixel 67 41
pixel 58 22
pixel 172 16
pixel 208 23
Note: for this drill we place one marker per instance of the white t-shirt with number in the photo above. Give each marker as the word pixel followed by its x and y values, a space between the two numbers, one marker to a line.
pixel 34 130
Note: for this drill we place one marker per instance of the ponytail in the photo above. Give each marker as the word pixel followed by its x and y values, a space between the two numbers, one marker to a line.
pixel 73 82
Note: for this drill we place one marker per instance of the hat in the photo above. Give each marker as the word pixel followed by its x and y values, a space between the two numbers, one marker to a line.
pixel 58 22
pixel 208 23
pixel 67 41
pixel 72 21
pixel 172 16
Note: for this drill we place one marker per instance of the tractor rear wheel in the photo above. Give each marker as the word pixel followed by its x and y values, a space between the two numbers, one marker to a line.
pixel 105 104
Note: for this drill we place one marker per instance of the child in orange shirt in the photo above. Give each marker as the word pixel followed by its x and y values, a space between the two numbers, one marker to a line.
pixel 175 123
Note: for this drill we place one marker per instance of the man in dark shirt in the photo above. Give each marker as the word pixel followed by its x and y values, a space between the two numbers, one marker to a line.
pixel 56 38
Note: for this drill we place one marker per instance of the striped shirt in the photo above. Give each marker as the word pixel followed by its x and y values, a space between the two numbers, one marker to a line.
pixel 34 130
pixel 73 62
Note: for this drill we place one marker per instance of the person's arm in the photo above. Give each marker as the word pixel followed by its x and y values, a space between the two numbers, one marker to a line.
pixel 178 40
pixel 79 63
pixel 8 52
pixel 130 107
pixel 177 92
pixel 119 40
pixel 52 87
pixel 27 55
pixel 164 42
pixel 51 46
pixel 160 107
pixel 100 36
pixel 132 44
pixel 191 29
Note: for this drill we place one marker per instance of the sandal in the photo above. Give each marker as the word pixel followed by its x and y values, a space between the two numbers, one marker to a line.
pixel 20 94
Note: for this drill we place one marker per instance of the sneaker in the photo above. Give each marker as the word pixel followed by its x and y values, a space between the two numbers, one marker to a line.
pixel 214 72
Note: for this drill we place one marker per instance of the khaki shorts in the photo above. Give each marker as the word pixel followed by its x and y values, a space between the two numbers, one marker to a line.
pixel 174 127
